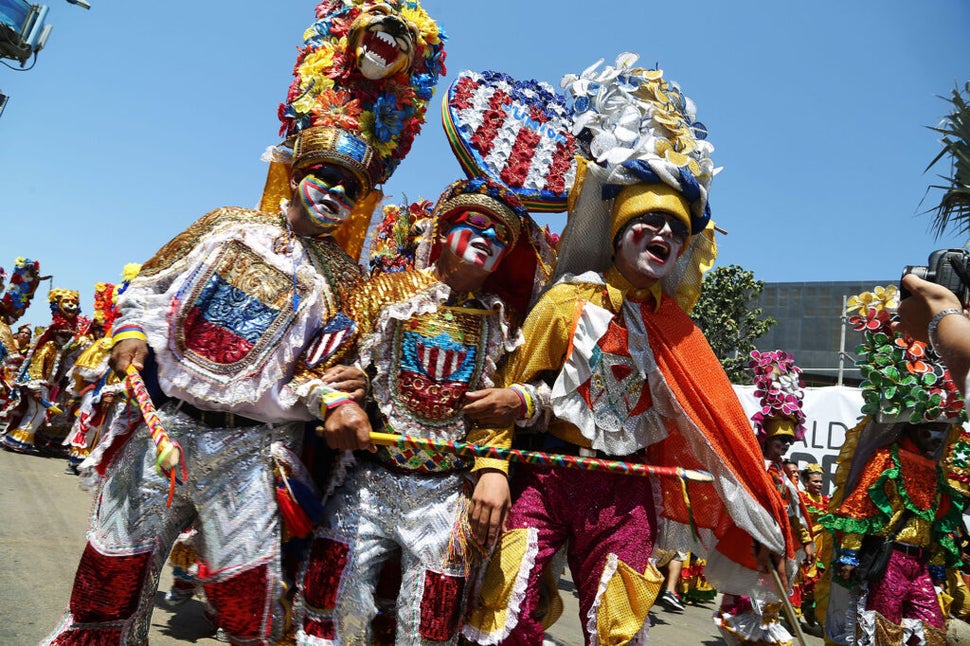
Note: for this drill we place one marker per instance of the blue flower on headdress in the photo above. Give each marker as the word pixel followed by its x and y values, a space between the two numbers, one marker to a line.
pixel 321 34
pixel 424 85
pixel 388 120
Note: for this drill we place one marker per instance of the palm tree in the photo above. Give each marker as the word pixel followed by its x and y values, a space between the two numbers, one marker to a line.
pixel 954 206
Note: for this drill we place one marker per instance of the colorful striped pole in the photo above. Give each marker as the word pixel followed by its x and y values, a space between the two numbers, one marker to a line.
pixel 539 458
pixel 169 453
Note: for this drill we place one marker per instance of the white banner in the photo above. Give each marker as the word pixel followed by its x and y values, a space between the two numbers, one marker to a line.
pixel 829 413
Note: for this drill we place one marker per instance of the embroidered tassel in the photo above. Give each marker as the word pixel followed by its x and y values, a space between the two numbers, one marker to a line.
pixel 463 550
pixel 298 506
pixel 297 523
pixel 307 500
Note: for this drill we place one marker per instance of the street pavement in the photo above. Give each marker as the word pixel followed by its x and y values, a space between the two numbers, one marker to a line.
pixel 43 518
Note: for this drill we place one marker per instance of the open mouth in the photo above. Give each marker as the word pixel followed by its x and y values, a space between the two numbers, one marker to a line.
pixel 481 246
pixel 381 48
pixel 659 249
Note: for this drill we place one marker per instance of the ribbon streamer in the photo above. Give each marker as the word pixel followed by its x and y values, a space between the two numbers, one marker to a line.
pixel 539 457
pixel 169 453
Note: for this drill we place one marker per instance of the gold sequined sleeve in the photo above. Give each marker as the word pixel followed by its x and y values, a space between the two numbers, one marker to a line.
pixel 7 340
pixel 548 331
pixel 364 305
pixel 42 362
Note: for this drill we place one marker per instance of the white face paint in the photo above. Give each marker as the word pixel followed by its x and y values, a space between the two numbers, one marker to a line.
pixel 327 206
pixel 647 253
pixel 478 247
pixel 776 447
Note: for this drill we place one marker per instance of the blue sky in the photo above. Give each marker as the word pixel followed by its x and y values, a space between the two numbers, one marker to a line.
pixel 139 117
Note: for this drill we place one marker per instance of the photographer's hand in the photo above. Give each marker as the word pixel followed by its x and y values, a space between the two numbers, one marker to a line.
pixel 926 300
pixel 951 339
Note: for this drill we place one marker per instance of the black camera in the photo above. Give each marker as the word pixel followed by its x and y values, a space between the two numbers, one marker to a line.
pixel 947 267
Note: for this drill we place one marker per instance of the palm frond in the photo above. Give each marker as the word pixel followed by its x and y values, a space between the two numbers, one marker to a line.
pixel 953 209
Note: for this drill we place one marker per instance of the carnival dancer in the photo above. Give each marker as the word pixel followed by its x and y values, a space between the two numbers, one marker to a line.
pixel 14 347
pixel 224 311
pixel 92 382
pixel 894 510
pixel 23 285
pixel 633 379
pixel 426 336
pixel 780 422
pixel 38 378
pixel 816 504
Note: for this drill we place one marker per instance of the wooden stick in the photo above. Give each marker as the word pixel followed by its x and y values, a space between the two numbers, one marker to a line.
pixel 789 611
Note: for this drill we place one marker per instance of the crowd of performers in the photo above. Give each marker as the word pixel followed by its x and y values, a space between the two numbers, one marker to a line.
pixel 410 447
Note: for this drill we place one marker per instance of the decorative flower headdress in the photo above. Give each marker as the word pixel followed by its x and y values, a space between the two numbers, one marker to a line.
pixel 105 311
pixel 811 469
pixel 777 383
pixel 23 284
pixel 903 379
pixel 641 148
pixel 361 87
pixel 395 239
pixel 642 128
pixel 515 132
pixel 366 72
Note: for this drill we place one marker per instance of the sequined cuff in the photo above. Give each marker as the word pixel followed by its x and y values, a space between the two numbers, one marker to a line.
pixel 128 332
pixel 937 573
pixel 849 557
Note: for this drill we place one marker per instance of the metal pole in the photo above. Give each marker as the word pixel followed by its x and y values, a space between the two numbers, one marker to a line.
pixel 842 343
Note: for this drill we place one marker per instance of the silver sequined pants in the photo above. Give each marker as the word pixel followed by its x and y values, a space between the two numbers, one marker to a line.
pixel 375 514
pixel 230 488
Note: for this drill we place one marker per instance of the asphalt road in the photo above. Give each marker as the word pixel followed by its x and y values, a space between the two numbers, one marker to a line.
pixel 43 518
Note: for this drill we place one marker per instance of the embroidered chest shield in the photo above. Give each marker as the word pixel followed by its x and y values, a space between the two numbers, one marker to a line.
pixel 615 387
pixel 605 386
pixel 438 357
pixel 232 311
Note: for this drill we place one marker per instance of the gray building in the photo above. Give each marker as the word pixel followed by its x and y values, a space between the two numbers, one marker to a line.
pixel 811 326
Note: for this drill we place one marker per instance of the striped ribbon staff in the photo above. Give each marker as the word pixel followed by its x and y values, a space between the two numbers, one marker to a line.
pixel 539 457
pixel 169 453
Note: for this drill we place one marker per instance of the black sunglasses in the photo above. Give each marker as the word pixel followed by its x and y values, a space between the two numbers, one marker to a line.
pixel 334 176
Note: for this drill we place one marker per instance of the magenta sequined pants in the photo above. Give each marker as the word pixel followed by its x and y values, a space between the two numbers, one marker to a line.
pixel 905 590
pixel 597 513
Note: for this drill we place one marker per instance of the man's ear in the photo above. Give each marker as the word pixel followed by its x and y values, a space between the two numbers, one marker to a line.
pixel 293 183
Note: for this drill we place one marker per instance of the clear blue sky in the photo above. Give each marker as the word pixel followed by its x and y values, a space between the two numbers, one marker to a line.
pixel 139 117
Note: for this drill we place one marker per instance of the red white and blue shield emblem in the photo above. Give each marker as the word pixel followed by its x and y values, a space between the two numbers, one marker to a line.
pixel 440 363
pixel 437 360
pixel 331 337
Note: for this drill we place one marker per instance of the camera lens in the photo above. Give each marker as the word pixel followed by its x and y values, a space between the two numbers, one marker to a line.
pixel 920 271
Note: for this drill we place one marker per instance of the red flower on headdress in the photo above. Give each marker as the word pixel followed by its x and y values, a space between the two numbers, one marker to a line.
pixel 340 25
pixel 872 320
pixel 336 109
pixel 914 353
